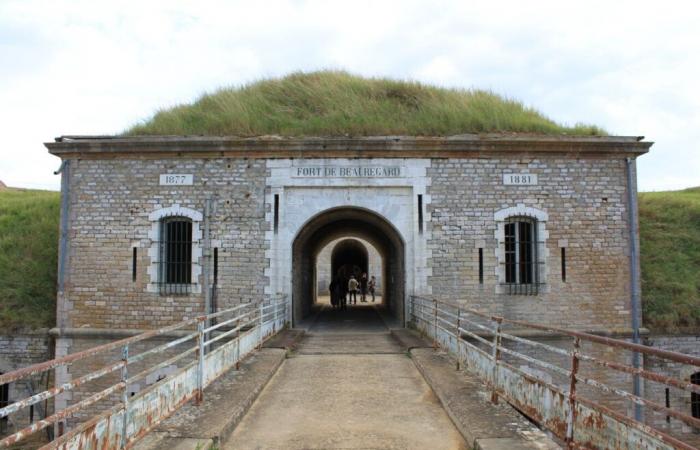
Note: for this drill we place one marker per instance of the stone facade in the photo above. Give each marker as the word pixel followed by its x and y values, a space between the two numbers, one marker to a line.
pixel 439 200
pixel 111 212
pixel 584 200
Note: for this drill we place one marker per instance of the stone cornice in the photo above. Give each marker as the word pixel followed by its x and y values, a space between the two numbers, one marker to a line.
pixel 340 147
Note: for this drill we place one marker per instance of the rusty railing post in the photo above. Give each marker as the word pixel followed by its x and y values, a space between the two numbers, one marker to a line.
pixel 496 356
pixel 572 394
pixel 125 394
pixel 200 361
pixel 458 343
pixel 435 321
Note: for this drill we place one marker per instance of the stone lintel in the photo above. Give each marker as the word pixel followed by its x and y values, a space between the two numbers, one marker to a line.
pixel 463 146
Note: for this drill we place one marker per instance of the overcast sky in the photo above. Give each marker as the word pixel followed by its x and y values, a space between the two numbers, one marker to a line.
pixel 92 67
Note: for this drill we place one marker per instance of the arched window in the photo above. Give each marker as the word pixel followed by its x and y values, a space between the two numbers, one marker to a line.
pixel 694 397
pixel 521 251
pixel 175 255
pixel 175 251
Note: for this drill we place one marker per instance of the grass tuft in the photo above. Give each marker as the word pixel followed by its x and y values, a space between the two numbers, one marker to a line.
pixel 336 103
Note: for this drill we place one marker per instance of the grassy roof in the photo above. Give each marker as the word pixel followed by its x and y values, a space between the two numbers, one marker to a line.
pixel 336 103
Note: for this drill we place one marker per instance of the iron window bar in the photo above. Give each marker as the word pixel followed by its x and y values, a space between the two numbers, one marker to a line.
pixel 522 263
pixel 175 256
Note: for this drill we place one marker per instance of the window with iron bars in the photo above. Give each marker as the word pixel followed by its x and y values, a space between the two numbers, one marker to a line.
pixel 694 397
pixel 175 256
pixel 522 259
pixel 4 401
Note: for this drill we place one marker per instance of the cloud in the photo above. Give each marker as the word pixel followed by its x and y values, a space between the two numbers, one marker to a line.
pixel 92 67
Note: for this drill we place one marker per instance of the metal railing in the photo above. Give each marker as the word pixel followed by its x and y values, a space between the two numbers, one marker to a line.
pixel 215 349
pixel 485 345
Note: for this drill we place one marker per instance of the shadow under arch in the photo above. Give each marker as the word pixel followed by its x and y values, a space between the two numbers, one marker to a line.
pixel 349 256
pixel 347 222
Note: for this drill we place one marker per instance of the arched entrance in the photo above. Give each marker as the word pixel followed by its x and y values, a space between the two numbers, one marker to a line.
pixel 347 222
pixel 349 257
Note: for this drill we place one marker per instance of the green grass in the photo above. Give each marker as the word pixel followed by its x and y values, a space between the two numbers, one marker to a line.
pixel 336 103
pixel 669 225
pixel 670 250
pixel 28 258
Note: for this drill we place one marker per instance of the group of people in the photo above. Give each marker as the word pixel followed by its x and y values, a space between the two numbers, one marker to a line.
pixel 344 291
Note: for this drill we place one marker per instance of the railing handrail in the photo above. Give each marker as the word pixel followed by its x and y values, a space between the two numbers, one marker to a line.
pixel 446 320
pixel 73 357
pixel 269 308
pixel 612 342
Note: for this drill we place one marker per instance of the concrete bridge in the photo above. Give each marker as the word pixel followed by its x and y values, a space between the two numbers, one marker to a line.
pixel 356 379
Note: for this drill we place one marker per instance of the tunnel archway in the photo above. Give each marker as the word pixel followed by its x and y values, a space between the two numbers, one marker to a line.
pixel 347 222
pixel 349 257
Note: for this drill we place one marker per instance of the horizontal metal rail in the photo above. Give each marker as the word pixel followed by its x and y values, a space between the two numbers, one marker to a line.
pixel 135 415
pixel 577 419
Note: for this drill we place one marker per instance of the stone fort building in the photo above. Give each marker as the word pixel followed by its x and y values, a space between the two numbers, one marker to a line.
pixel 159 229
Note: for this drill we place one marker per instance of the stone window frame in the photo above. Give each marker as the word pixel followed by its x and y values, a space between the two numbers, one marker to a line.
pixel 155 218
pixel 540 218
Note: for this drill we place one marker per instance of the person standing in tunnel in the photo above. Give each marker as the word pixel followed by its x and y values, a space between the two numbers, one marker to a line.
pixel 341 287
pixel 332 293
pixel 372 285
pixel 363 288
pixel 352 290
pixel 339 293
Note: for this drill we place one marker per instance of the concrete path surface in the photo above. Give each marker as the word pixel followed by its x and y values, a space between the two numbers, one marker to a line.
pixel 349 386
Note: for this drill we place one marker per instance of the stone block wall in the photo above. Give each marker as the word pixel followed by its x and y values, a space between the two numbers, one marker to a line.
pixel 678 400
pixel 17 351
pixel 584 200
pixel 111 203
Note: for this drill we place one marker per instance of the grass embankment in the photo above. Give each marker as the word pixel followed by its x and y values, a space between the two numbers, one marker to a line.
pixel 28 258
pixel 336 103
pixel 669 226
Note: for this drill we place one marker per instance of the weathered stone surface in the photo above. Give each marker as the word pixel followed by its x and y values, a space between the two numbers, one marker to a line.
pixel 225 403
pixel 585 201
pixel 466 400
pixel 116 197
pixel 342 391
pixel 679 400
pixel 21 350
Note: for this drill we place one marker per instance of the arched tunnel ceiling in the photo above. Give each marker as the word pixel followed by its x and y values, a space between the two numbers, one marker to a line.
pixel 349 251
pixel 349 222
pixel 341 223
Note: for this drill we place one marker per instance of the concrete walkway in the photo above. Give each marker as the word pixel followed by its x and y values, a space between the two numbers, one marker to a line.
pixel 350 385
